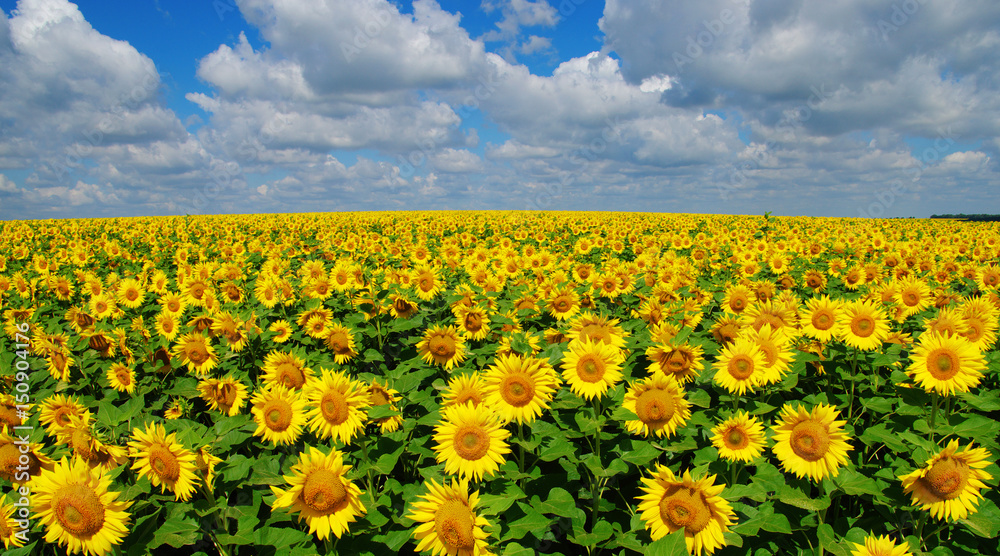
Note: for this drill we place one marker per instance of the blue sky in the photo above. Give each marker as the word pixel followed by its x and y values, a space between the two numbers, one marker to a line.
pixel 799 107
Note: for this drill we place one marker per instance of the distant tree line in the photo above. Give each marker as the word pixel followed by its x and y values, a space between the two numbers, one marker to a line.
pixel 970 217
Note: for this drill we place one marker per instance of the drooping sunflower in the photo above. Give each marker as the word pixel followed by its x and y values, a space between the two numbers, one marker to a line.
pixel 741 437
pixel 121 377
pixel 206 462
pixel 671 503
pixel 279 413
pixel 946 364
pixel 949 483
pixel 448 522
pixel 339 406
pixel 340 340
pixel 862 325
pixel 518 388
pixel 464 389
pixel 881 546
pixel 658 402
pixel 196 352
pixel 470 441
pixel 164 461
pixel 382 395
pixel 811 443
pixel 78 510
pixel 286 369
pixel 591 368
pixel 226 395
pixel 740 366
pixel 319 490
pixel 442 346
pixel 19 462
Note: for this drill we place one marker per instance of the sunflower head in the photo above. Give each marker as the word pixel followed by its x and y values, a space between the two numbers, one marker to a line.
pixel 670 503
pixel 948 485
pixel 447 520
pixel 319 490
pixel 811 443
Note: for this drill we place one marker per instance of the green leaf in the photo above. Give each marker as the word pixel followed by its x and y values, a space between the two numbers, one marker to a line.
pixel 560 502
pixel 641 454
pixel 142 533
pixel 670 545
pixel 776 523
pixel 880 434
pixel 532 521
pixel 602 531
pixel 795 497
pixel 558 448
pixel 176 532
pixel 854 483
pixel 514 549
pixel 382 411
pixel 985 522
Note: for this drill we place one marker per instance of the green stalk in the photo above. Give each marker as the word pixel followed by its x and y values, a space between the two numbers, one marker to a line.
pixel 934 411
pixel 595 495
pixel 368 470
pixel 219 522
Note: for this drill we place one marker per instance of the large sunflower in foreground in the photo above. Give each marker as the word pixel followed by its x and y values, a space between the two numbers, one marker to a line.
pixel 811 444
pixel 948 485
pixel 946 364
pixel 591 368
pixel 165 462
pixel 658 402
pixel 279 414
pixel 321 493
pixel 470 441
pixel 739 438
pixel 880 546
pixel 78 510
pixel 671 503
pixel 448 522
pixel 339 406
pixel 519 388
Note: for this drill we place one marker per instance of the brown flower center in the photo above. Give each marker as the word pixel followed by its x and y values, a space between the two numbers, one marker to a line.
pixel 442 346
pixel 278 415
pixel 736 438
pixel 740 367
pixel 947 478
pixel 290 375
pixel 943 364
pixel 79 510
pixel 591 368
pixel 339 342
pixel 823 319
pixel 655 407
pixel 334 407
pixel 684 507
pixel 324 491
pixel 164 463
pixel 810 440
pixel 471 442
pixel 862 326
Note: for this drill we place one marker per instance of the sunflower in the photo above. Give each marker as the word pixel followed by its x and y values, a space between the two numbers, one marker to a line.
pixel 564 303
pixel 820 318
pixel 881 546
pixel 78 510
pixel 196 352
pixel 177 409
pixel 226 395
pixel 741 437
pixel 658 402
pixel 340 340
pixel 912 295
pixel 172 303
pixel 206 462
pixel 56 411
pixel 771 313
pixel 426 282
pixel 862 325
pixel 121 377
pixel 740 366
pixel 102 306
pixel 338 406
pixel 279 413
pixel 382 395
pixel 319 490
pixel 286 369
pixel 130 293
pixel 464 389
pixel 282 331
pixel 448 522
pixel 165 462
pixel 811 444
pixel 946 364
pixel 10 530
pixel 596 328
pixel 591 368
pixel 949 483
pixel 19 461
pixel 777 350
pixel 737 299
pixel 472 322
pixel 519 388
pixel 683 362
pixel 671 503
pixel 402 308
pixel 443 346
pixel 470 441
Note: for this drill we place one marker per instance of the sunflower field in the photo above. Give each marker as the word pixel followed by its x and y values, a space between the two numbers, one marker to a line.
pixel 509 383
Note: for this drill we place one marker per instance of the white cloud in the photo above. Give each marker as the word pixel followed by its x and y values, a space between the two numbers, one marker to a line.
pixel 7 185
pixel 535 44
pixel 456 161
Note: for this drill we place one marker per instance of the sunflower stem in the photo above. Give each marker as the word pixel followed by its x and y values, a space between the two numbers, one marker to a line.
pixel 368 470
pixel 934 411
pixel 594 487
pixel 220 523
pixel 520 449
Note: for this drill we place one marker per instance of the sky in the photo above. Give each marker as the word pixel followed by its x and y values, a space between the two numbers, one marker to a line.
pixel 854 108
